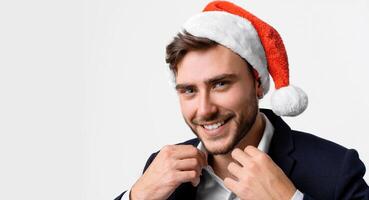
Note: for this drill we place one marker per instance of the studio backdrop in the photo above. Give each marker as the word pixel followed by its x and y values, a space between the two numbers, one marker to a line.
pixel 86 95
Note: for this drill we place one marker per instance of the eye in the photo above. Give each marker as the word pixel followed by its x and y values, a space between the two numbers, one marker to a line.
pixel 188 90
pixel 220 84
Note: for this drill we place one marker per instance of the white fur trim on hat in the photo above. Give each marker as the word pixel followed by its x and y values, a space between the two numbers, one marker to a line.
pixel 289 101
pixel 235 33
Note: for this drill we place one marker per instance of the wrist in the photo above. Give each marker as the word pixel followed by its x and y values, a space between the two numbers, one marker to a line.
pixel 291 193
pixel 133 195
pixel 285 191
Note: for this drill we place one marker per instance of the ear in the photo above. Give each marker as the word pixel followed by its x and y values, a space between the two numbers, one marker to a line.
pixel 259 89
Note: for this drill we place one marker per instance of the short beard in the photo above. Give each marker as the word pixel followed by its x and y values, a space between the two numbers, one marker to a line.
pixel 240 134
pixel 243 127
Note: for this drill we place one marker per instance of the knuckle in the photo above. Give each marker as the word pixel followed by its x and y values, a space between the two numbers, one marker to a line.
pixel 230 166
pixel 263 157
pixel 195 162
pixel 192 174
pixel 235 152
pixel 193 150
pixel 248 148
pixel 173 165
pixel 227 182
pixel 166 150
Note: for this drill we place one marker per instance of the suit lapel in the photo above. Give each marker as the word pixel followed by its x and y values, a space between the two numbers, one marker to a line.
pixel 282 144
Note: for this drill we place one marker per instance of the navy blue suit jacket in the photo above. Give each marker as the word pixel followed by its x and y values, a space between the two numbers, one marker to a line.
pixel 318 168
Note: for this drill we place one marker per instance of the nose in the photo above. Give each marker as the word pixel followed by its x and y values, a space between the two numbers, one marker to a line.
pixel 206 108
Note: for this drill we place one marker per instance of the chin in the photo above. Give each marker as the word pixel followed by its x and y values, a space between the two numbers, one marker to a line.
pixel 218 147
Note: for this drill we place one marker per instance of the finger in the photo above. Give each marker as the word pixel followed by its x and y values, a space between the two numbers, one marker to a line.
pixel 187 151
pixel 188 165
pixel 231 184
pixel 200 159
pixel 242 157
pixel 197 154
pixel 188 176
pixel 252 151
pixel 235 169
pixel 196 182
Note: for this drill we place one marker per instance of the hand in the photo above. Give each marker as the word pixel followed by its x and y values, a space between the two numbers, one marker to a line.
pixel 174 165
pixel 256 176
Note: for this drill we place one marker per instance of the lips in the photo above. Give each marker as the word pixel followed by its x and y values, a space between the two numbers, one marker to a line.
pixel 215 128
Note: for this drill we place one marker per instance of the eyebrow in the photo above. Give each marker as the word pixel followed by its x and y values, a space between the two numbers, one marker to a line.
pixel 208 81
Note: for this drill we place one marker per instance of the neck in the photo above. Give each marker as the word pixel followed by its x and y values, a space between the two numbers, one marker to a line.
pixel 220 162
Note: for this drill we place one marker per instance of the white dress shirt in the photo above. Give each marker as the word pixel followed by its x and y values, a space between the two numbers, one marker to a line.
pixel 211 187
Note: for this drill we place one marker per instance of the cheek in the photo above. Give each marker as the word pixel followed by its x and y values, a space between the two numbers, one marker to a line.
pixel 234 99
pixel 187 108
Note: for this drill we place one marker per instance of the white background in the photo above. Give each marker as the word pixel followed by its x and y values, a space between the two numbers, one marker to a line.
pixel 85 94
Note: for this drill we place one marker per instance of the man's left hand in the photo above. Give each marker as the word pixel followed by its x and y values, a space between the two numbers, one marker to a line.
pixel 256 176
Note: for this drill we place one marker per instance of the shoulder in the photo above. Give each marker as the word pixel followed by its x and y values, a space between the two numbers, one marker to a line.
pixel 308 142
pixel 311 150
pixel 320 152
pixel 324 167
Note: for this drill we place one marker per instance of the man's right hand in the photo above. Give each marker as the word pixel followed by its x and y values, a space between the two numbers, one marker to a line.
pixel 174 165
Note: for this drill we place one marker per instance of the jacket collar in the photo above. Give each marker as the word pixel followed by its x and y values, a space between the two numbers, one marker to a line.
pixel 282 144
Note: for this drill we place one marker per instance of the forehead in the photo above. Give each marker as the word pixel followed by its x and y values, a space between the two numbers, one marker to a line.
pixel 201 65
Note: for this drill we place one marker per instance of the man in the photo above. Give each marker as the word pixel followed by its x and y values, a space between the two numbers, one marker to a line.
pixel 221 63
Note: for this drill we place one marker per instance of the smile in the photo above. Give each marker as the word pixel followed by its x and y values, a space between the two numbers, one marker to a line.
pixel 214 126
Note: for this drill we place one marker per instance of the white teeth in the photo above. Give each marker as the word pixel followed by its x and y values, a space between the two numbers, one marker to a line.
pixel 213 126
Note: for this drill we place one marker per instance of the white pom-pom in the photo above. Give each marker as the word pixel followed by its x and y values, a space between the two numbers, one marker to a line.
pixel 289 101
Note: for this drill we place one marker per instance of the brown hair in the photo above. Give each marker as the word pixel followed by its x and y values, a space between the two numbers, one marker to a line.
pixel 183 43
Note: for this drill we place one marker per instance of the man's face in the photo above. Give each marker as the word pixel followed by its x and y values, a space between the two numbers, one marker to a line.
pixel 217 93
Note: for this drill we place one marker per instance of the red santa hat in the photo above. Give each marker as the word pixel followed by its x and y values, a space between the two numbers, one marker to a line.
pixel 257 42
